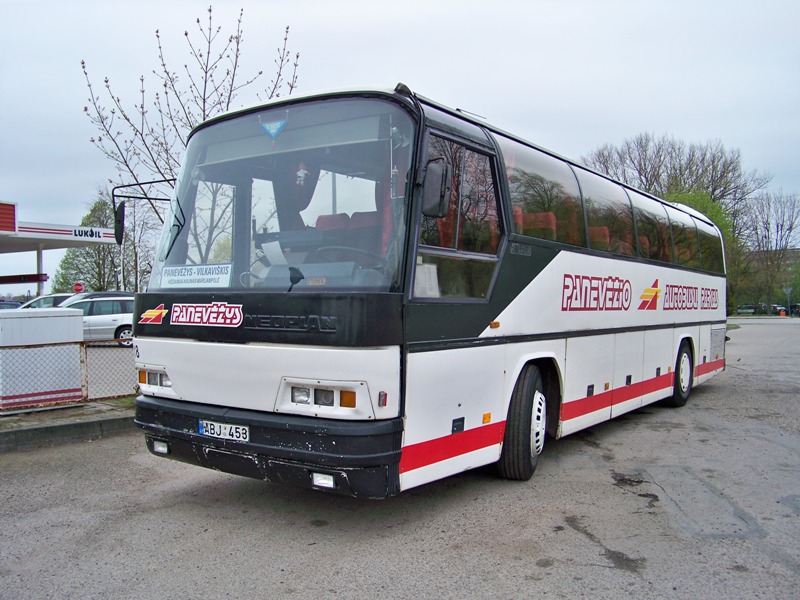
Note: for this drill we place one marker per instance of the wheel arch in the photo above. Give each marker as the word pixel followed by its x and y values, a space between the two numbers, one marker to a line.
pixel 121 327
pixel 689 338
pixel 552 378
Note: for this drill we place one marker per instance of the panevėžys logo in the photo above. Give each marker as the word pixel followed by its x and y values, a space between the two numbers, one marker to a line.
pixel 215 314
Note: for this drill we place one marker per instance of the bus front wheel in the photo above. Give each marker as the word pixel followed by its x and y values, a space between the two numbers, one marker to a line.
pixel 525 427
pixel 683 376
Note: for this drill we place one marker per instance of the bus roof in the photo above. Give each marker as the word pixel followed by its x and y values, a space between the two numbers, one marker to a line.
pixel 416 101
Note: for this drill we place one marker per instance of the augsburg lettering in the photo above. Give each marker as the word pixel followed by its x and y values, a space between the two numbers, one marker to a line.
pixel 686 297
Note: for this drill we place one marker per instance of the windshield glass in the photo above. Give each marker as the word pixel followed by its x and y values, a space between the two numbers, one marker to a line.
pixel 305 197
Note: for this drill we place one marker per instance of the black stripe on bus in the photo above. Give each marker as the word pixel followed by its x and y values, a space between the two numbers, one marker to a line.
pixel 326 319
pixel 455 344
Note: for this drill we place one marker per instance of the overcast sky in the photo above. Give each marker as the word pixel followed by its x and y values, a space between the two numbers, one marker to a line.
pixel 569 75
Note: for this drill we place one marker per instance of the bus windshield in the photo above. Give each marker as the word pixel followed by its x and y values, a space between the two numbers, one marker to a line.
pixel 301 198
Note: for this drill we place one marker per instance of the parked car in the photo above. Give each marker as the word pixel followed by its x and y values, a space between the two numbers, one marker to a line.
pixel 777 309
pixel 105 318
pixel 9 304
pixel 745 309
pixel 111 294
pixel 46 301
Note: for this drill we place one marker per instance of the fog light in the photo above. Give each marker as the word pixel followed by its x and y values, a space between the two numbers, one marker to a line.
pixel 160 447
pixel 301 395
pixel 323 480
pixel 323 397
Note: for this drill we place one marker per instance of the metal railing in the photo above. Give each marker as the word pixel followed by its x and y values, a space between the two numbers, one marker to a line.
pixel 64 373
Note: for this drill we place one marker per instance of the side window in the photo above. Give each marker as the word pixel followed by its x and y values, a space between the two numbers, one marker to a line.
pixel 711 253
pixel 86 307
pixel 122 306
pixel 652 226
pixel 458 252
pixel 103 307
pixel 608 213
pixel 545 198
pixel 684 237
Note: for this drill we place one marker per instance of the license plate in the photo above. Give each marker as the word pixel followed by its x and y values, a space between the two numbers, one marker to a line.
pixel 225 431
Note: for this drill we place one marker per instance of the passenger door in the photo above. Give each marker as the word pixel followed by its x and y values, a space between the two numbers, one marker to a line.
pixel 454 385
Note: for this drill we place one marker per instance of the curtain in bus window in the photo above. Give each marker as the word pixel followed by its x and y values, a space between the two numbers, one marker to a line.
pixel 545 198
pixel 294 184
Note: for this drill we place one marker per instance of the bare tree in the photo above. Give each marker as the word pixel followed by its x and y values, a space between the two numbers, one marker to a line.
pixel 666 166
pixel 146 138
pixel 774 229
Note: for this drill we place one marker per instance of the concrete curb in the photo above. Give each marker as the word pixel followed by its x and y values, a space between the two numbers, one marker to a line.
pixel 59 433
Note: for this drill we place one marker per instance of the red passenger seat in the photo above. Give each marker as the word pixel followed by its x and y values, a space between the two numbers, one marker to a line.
pixel 336 221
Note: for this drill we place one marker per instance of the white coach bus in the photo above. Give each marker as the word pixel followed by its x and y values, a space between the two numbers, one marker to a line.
pixel 363 292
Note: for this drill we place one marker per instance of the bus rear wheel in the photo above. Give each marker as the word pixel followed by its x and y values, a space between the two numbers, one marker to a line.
pixel 683 376
pixel 525 427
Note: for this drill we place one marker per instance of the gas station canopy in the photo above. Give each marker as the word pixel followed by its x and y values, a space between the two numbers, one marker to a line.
pixel 18 236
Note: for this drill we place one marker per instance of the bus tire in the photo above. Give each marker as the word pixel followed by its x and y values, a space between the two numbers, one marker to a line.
pixel 523 440
pixel 684 368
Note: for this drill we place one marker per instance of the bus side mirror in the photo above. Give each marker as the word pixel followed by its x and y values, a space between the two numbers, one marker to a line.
pixel 119 222
pixel 436 189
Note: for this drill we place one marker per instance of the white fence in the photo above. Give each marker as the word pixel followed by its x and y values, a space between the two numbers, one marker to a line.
pixel 64 373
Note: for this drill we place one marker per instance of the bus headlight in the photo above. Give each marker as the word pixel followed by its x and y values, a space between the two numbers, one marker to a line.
pixel 329 398
pixel 301 395
pixel 323 397
pixel 154 378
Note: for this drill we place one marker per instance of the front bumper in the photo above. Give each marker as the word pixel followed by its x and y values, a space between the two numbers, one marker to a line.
pixel 363 457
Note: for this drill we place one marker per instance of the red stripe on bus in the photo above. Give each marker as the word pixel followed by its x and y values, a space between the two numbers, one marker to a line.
pixel 714 365
pixel 584 406
pixel 430 452
pixel 427 453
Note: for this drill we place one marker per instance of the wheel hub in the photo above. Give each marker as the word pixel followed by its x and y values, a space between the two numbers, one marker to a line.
pixel 538 423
